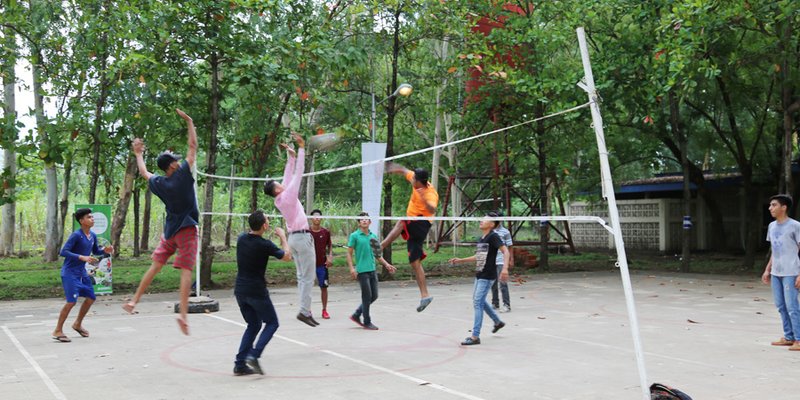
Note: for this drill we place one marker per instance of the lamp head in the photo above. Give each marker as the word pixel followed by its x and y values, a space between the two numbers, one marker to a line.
pixel 403 90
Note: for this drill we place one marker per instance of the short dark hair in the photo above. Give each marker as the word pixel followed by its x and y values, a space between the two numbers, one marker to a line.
pixel 256 220
pixel 316 211
pixel 494 214
pixel 363 214
pixel 783 199
pixel 80 213
pixel 421 175
pixel 269 188
pixel 165 159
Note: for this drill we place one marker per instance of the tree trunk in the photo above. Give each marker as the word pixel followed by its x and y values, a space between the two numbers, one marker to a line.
pixel 64 203
pixel 136 209
pixel 752 220
pixel 94 175
pixel 52 245
pixel 390 112
pixel 7 142
pixel 121 211
pixel 544 227
pixel 207 250
pixel 686 233
pixel 267 144
pixel 787 92
pixel 148 201
pixel 231 186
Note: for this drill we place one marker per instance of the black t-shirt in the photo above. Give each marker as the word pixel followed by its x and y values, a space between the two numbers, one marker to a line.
pixel 486 256
pixel 252 254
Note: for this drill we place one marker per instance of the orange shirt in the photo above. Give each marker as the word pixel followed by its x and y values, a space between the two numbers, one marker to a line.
pixel 416 204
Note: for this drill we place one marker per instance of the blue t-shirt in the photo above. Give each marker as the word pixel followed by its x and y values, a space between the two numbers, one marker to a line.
pixel 177 193
pixel 77 245
pixel 784 239
pixel 505 236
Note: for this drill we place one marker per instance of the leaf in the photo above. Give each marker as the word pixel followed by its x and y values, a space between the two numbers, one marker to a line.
pixel 451 70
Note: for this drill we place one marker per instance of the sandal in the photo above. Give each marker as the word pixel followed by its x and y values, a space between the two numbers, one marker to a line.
pixel 471 341
pixel 498 326
pixel 81 331
pixel 62 339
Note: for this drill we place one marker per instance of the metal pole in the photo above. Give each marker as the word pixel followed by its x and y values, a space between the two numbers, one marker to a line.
pixel 372 124
pixel 613 213
pixel 200 238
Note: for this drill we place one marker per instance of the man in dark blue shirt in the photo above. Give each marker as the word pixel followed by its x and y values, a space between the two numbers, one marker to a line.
pixel 77 251
pixel 176 190
pixel 252 254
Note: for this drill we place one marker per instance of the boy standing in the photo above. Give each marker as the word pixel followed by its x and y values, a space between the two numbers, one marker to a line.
pixel 783 269
pixel 323 248
pixel 176 190
pixel 501 261
pixel 77 251
pixel 484 258
pixel 300 240
pixel 364 270
pixel 252 254
pixel 423 202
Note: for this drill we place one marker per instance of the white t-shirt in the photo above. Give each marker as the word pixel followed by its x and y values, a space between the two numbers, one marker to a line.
pixel 784 239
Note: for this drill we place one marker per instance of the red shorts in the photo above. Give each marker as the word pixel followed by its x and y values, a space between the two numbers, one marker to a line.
pixel 185 243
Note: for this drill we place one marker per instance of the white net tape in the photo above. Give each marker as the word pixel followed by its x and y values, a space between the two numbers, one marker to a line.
pixel 399 156
pixel 575 218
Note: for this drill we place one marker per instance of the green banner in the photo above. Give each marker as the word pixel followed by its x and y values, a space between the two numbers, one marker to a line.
pixel 101 272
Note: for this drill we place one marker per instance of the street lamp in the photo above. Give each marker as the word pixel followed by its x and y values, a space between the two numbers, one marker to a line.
pixel 403 90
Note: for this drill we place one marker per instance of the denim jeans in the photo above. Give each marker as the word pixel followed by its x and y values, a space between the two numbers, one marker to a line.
pixel 369 293
pixel 257 311
pixel 785 295
pixel 503 290
pixel 305 261
pixel 481 305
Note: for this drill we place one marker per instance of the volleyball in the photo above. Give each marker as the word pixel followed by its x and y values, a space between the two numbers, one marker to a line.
pixel 323 142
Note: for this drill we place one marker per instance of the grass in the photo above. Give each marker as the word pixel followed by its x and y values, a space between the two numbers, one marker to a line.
pixel 28 278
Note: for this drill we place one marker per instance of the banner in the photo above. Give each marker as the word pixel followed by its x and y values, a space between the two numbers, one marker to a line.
pixel 101 272
pixel 372 182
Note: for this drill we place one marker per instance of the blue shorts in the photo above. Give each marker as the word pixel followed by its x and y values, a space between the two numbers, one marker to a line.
pixel 76 286
pixel 322 276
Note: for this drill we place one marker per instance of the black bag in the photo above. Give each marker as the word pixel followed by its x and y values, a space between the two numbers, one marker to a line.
pixel 664 392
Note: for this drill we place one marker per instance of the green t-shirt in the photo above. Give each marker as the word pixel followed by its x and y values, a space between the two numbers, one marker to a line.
pixel 364 259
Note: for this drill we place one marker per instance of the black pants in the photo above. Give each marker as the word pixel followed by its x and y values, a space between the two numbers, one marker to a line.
pixel 369 293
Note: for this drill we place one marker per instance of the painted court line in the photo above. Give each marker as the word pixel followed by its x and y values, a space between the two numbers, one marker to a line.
pixel 47 381
pixel 415 380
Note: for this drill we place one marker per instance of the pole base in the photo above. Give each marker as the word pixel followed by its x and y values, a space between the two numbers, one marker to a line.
pixel 200 305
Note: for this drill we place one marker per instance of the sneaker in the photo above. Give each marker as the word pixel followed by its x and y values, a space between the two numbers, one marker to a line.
pixel 795 346
pixel 372 327
pixel 424 303
pixel 243 370
pixel 357 320
pixel 496 306
pixel 498 326
pixel 253 364
pixel 783 342
pixel 325 315
pixel 307 319
pixel 470 341
pixel 505 309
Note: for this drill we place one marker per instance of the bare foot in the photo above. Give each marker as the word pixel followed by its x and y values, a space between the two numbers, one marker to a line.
pixel 183 325
pixel 128 307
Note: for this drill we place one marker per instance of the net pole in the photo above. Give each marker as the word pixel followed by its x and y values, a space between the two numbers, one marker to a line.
pixel 199 238
pixel 613 212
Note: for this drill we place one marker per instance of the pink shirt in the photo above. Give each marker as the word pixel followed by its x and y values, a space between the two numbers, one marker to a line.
pixel 287 201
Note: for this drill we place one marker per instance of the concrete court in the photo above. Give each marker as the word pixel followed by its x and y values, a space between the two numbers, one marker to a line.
pixel 567 338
